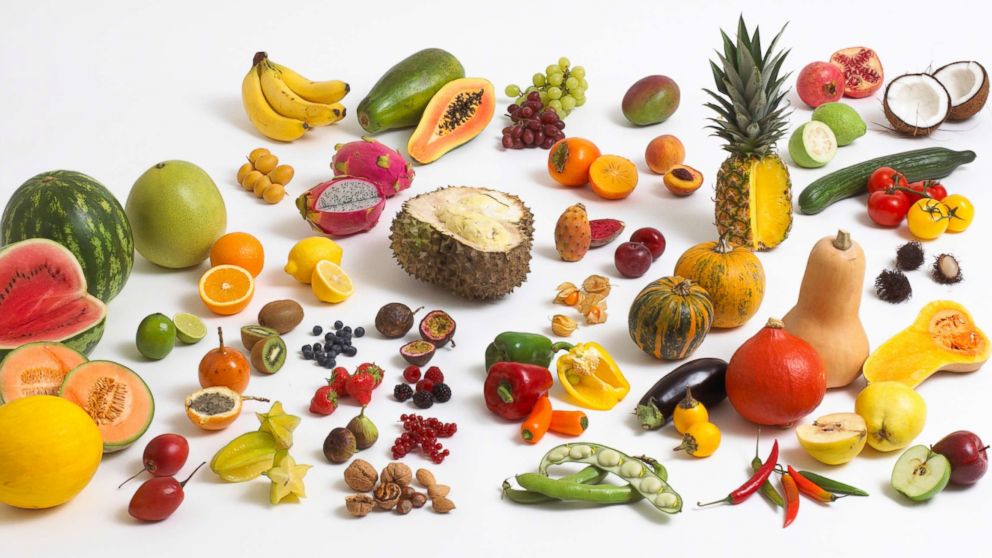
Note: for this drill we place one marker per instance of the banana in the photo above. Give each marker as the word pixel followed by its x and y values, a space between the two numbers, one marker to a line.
pixel 289 104
pixel 263 116
pixel 330 91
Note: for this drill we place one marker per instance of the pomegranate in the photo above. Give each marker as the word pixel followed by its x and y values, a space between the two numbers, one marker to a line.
pixel 775 378
pixel 863 74
pixel 820 82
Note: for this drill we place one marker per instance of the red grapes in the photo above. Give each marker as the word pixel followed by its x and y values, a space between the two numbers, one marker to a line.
pixel 533 125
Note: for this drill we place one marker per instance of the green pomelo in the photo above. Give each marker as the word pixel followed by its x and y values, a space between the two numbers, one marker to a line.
pixel 176 213
pixel 844 121
pixel 812 145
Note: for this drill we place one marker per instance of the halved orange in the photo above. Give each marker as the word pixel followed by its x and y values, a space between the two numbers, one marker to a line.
pixel 612 177
pixel 226 289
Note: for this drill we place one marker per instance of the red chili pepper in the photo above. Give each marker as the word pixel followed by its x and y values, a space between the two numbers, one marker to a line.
pixel 791 498
pixel 512 388
pixel 807 487
pixel 754 483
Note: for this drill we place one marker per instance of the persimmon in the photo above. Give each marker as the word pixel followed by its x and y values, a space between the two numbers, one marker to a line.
pixel 569 161
pixel 613 177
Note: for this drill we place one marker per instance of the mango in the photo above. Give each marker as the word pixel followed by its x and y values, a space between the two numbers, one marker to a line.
pixel 651 100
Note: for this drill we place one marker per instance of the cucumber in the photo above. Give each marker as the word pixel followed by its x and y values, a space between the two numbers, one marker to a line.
pixel 920 164
pixel 400 96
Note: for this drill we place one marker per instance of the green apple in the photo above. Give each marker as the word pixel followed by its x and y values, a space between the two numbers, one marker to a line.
pixel 894 413
pixel 921 473
pixel 834 439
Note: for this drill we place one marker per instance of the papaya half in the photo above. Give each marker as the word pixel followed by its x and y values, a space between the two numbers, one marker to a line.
pixel 456 114
pixel 943 337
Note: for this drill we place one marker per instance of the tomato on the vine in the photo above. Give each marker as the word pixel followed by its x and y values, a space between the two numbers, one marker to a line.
pixel 888 207
pixel 927 219
pixel 931 188
pixel 884 178
pixel 960 212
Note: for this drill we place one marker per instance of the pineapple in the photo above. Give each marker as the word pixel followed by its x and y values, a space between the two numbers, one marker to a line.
pixel 753 191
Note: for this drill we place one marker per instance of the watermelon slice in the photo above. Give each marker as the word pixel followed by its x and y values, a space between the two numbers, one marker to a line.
pixel 43 298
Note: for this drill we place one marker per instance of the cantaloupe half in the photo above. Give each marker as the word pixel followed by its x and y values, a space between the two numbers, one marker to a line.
pixel 115 397
pixel 36 369
pixel 943 337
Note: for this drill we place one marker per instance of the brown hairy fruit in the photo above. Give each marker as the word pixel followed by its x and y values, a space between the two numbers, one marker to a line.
pixel 893 286
pixel 946 270
pixel 909 256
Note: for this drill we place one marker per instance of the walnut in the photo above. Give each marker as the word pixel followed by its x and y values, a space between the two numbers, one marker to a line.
pixel 418 499
pixel 360 476
pixel 398 473
pixel 442 505
pixel 387 494
pixel 425 478
pixel 359 505
pixel 403 507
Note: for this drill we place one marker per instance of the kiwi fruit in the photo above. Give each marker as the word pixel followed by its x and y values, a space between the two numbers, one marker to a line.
pixel 251 334
pixel 281 315
pixel 269 354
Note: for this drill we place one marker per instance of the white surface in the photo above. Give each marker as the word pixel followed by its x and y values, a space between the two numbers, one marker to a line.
pixel 111 90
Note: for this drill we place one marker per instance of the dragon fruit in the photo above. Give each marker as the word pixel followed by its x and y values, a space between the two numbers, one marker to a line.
pixel 373 161
pixel 343 205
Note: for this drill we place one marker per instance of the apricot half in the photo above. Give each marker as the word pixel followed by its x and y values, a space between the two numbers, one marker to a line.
pixel 683 180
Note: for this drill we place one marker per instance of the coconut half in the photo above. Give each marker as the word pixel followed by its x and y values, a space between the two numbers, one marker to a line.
pixel 967 83
pixel 916 104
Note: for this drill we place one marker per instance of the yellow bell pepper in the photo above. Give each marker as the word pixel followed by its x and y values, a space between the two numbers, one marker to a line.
pixel 591 377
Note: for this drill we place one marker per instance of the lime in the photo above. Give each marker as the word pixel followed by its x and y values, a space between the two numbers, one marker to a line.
pixel 189 328
pixel 812 145
pixel 156 336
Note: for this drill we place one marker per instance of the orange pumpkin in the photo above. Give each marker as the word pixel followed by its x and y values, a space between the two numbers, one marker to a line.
pixel 732 276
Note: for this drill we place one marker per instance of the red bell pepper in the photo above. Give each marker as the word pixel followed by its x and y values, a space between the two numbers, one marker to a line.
pixel 513 388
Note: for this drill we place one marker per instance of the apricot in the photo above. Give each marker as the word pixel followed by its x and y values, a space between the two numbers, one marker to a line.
pixel 683 180
pixel 663 153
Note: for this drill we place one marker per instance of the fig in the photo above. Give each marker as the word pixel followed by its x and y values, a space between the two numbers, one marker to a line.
pixel 604 231
pixel 364 430
pixel 340 445
pixel 418 353
pixel 395 319
pixel 438 327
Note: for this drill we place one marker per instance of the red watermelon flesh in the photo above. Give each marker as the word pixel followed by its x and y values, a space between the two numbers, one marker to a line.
pixel 44 298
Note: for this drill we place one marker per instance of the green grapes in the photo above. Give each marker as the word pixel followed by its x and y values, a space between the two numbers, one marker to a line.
pixel 568 103
pixel 512 90
pixel 556 79
pixel 561 87
pixel 554 93
pixel 571 83
pixel 538 80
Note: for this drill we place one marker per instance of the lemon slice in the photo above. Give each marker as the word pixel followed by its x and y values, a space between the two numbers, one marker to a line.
pixel 330 283
pixel 189 328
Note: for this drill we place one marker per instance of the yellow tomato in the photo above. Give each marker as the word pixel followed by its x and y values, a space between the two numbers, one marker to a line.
pixel 960 211
pixel 927 219
pixel 688 412
pixel 700 440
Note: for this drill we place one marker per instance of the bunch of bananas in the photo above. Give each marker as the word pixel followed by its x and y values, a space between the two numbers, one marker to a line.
pixel 283 105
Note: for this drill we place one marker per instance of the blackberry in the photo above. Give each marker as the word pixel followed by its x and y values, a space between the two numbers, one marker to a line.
pixel 441 392
pixel 317 330
pixel 359 331
pixel 350 351
pixel 402 392
pixel 423 399
pixel 338 324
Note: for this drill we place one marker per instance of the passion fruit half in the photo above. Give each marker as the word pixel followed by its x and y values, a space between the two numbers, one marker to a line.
pixel 215 408
pixel 438 327
pixel 418 353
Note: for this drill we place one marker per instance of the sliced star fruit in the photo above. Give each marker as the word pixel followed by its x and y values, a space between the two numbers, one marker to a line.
pixel 279 424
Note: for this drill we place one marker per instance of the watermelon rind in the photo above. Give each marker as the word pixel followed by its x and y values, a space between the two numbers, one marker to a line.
pixel 79 213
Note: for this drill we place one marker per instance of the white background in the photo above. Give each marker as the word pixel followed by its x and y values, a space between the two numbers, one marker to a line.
pixel 113 89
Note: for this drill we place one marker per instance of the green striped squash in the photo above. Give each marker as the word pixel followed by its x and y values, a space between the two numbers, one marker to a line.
pixel 81 214
pixel 670 318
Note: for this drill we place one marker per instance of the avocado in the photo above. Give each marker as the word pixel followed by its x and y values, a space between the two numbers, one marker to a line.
pixel 400 96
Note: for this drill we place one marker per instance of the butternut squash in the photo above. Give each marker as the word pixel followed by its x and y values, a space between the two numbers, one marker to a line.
pixel 943 337
pixel 826 314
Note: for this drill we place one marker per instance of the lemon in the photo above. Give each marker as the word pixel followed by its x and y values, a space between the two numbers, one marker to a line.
pixel 330 283
pixel 189 328
pixel 51 448
pixel 306 253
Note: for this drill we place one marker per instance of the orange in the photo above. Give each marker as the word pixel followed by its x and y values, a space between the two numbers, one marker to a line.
pixel 240 249
pixel 226 289
pixel 613 177
pixel 663 153
pixel 569 161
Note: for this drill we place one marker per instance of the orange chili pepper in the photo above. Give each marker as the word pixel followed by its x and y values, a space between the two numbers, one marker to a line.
pixel 791 498
pixel 571 423
pixel 811 490
pixel 537 423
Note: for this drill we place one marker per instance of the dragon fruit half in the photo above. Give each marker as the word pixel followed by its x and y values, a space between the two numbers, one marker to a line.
pixel 343 205
pixel 375 162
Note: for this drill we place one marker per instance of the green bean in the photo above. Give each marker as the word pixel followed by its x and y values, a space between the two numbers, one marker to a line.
pixel 588 475
pixel 767 490
pixel 831 485
pixel 564 490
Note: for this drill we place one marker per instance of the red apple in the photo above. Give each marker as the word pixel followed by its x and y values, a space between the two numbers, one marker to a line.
pixel 652 238
pixel 967 454
pixel 820 82
pixel 632 259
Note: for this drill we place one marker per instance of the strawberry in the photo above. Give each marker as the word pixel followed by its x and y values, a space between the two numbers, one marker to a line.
pixel 371 369
pixel 360 387
pixel 324 402
pixel 339 377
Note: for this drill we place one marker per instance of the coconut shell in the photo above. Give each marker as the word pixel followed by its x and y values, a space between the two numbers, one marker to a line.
pixel 904 127
pixel 972 106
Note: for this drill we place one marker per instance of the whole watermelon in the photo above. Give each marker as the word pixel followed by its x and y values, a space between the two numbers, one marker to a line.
pixel 81 214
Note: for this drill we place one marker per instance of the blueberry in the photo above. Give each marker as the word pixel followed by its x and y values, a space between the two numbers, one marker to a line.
pixel 321 358
pixel 317 348
pixel 350 351
pixel 317 330
pixel 359 331
pixel 346 329
pixel 328 336
pixel 336 347
pixel 332 353
pixel 331 363
pixel 346 343
pixel 338 324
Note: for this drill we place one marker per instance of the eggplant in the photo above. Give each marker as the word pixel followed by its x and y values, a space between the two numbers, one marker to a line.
pixel 705 376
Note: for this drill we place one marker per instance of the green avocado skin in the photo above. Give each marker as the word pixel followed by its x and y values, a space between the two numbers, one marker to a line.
pixel 400 96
